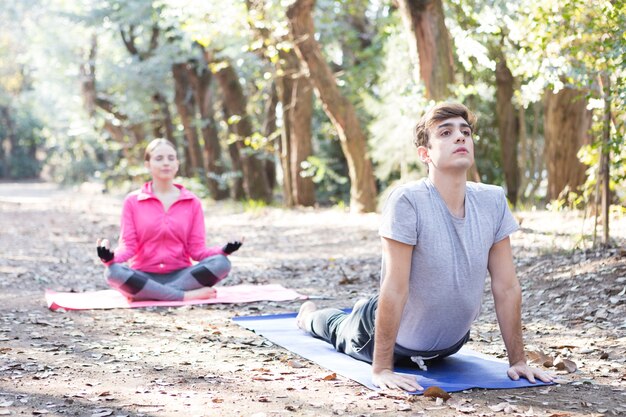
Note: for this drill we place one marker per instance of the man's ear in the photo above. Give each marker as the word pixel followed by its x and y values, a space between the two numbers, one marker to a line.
pixel 424 154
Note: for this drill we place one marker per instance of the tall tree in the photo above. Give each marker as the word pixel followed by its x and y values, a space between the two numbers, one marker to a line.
pixel 200 78
pixel 255 181
pixel 429 44
pixel 185 101
pixel 295 94
pixel 567 124
pixel 337 107
pixel 507 127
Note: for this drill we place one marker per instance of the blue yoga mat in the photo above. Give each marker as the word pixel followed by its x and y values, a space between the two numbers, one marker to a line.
pixel 463 370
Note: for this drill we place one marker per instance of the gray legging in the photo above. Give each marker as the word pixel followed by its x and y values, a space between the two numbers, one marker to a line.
pixel 353 334
pixel 139 285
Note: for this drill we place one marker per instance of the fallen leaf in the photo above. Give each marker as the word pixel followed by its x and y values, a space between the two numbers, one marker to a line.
pixel 295 364
pixel 102 413
pixel 436 392
pixel 539 358
pixel 565 364
pixel 504 407
pixel 330 377
pixel 404 407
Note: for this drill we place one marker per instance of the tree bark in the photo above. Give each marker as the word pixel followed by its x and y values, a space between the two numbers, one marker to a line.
pixel 523 153
pixel 9 142
pixel 297 104
pixel 430 44
pixel 507 127
pixel 186 107
pixel 337 107
pixel 605 158
pixel 567 124
pixel 300 113
pixel 254 179
pixel 200 78
pixel 269 130
pixel 162 124
pixel 285 87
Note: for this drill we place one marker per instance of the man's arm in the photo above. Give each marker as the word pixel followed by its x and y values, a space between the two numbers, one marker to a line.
pixel 394 292
pixel 507 295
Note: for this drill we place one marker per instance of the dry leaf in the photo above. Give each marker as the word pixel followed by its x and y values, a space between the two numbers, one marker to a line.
pixel 539 358
pixel 565 364
pixel 102 413
pixel 504 407
pixel 330 377
pixel 436 392
pixel 295 364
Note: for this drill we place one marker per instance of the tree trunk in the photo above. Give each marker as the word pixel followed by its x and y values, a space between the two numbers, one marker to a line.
pixel 254 179
pixel 200 78
pixel 285 87
pixel 297 103
pixel 300 114
pixel 162 123
pixel 8 143
pixel 536 153
pixel 429 44
pixel 567 124
pixel 523 152
pixel 186 107
pixel 269 130
pixel 507 127
pixel 337 107
pixel 605 166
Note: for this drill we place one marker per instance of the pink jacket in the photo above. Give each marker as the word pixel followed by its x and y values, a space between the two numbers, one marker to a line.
pixel 153 240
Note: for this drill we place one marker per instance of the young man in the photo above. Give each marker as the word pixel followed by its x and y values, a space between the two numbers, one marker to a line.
pixel 440 236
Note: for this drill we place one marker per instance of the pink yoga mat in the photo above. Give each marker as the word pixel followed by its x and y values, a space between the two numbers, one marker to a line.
pixel 104 299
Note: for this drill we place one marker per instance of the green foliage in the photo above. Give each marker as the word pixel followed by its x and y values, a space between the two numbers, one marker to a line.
pixel 547 44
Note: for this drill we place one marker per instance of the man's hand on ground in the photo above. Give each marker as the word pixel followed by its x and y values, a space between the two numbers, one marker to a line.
pixel 387 379
pixel 522 370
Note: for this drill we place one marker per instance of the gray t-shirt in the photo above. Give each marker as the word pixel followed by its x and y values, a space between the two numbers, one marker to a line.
pixel 450 256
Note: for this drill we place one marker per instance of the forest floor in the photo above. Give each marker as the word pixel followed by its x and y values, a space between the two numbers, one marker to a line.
pixel 194 361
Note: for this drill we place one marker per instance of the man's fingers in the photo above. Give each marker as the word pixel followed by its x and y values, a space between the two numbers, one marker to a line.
pixel 544 377
pixel 513 374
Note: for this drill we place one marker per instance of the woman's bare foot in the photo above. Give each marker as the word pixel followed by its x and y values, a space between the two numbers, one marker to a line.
pixel 306 309
pixel 203 293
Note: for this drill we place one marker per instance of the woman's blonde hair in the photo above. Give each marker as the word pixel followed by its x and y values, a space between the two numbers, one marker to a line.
pixel 153 145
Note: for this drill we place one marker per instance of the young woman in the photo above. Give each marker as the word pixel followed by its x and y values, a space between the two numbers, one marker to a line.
pixel 162 230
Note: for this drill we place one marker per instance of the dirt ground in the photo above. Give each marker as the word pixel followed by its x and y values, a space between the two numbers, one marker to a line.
pixel 195 361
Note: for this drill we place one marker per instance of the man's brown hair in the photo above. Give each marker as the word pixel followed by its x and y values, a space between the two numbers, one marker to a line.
pixel 437 114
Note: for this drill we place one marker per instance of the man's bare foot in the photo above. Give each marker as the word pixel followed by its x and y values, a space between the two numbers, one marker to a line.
pixel 203 293
pixel 306 309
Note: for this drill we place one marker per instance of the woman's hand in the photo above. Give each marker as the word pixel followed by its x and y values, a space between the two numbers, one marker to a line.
pixel 104 252
pixel 232 246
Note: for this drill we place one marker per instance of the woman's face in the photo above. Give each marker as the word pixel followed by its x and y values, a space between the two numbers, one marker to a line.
pixel 163 163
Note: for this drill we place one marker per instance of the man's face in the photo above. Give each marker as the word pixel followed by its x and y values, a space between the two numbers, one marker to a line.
pixel 450 145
